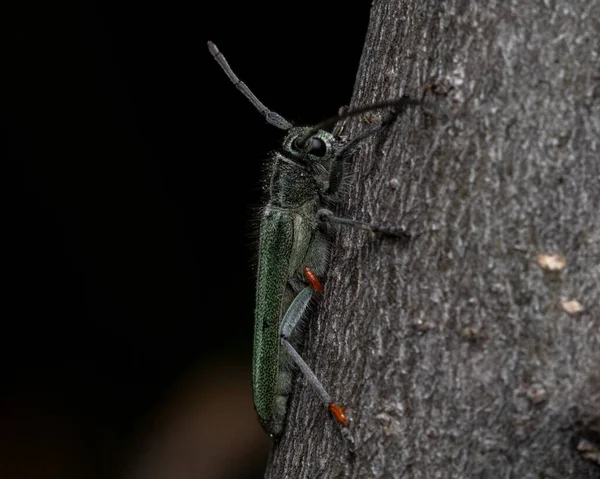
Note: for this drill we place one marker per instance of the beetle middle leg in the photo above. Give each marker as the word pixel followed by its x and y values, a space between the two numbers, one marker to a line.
pixel 326 217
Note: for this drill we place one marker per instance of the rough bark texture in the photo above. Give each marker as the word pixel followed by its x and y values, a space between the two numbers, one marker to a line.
pixel 454 352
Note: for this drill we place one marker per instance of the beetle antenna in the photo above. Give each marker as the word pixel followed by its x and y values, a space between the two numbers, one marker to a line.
pixel 397 107
pixel 272 118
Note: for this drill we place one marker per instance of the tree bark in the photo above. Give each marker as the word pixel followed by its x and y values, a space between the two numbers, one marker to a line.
pixel 458 353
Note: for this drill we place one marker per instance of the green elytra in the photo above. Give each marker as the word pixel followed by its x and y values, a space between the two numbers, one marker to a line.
pixel 305 175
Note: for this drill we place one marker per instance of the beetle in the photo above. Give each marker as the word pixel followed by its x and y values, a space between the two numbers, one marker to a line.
pixel 305 176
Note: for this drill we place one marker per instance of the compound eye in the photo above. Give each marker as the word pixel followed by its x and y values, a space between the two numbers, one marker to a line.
pixel 317 147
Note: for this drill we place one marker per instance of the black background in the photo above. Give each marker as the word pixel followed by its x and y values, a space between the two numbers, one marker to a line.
pixel 130 174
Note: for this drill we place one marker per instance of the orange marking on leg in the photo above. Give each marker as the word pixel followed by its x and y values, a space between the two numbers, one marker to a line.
pixel 312 279
pixel 339 413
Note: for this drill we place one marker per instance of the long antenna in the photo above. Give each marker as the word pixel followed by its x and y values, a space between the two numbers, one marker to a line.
pixel 271 117
pixel 397 106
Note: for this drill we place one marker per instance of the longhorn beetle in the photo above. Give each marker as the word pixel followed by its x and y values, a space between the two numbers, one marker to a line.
pixel 306 174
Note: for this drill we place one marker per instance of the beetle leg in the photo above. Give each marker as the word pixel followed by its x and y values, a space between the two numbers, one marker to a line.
pixel 339 127
pixel 295 312
pixel 337 411
pixel 325 216
pixel 290 320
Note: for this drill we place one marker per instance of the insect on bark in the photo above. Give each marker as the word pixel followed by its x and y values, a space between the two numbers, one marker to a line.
pixel 294 242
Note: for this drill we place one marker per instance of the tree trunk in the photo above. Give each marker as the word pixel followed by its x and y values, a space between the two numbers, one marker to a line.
pixel 471 351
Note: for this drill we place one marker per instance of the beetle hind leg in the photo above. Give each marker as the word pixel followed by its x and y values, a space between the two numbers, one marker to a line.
pixel 292 318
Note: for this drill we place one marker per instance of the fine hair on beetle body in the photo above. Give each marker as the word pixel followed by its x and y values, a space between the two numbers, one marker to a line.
pixel 306 176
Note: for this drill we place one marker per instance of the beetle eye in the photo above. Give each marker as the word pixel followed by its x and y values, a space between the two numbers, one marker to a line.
pixel 317 147
pixel 313 145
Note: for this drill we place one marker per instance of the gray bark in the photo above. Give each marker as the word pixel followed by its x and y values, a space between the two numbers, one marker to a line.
pixel 455 352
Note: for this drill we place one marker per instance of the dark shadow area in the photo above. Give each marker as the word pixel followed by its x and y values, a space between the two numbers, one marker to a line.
pixel 130 183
